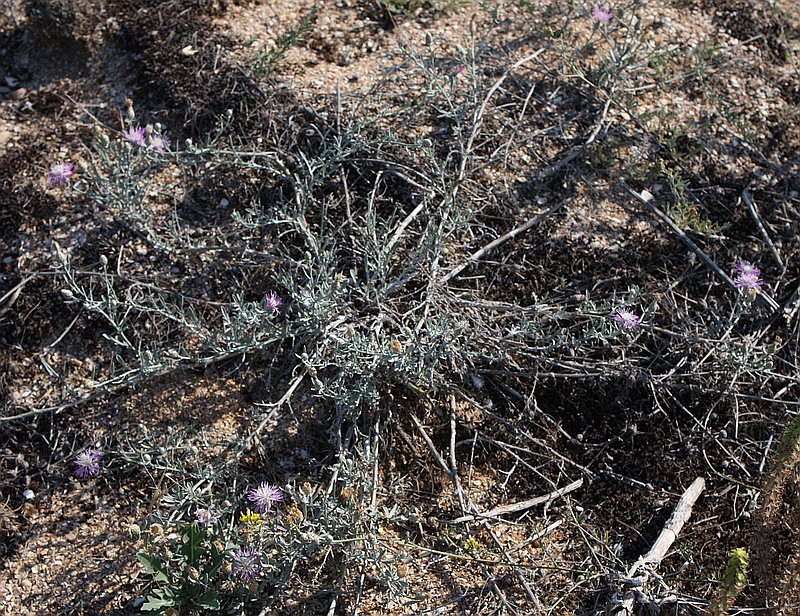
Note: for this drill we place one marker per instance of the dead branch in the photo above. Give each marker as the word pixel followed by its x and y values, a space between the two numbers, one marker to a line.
pixel 522 505
pixel 671 530
pixel 475 256
pixel 751 206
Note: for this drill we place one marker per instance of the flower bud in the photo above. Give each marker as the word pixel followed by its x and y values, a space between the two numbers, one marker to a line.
pixel 130 114
pixel 101 136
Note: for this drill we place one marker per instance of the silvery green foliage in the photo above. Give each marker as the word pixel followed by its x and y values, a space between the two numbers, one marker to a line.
pixel 204 547
pixel 365 308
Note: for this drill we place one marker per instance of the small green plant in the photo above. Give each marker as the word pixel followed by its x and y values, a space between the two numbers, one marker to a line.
pixel 470 545
pixel 684 210
pixel 265 61
pixel 789 450
pixel 732 582
pixel 188 571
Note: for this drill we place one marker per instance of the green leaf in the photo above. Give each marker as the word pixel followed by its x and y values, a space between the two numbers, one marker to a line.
pixel 192 537
pixel 154 566
pixel 158 601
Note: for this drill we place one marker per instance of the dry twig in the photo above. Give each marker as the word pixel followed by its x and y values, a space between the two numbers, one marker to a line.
pixel 751 206
pixel 671 530
pixel 522 505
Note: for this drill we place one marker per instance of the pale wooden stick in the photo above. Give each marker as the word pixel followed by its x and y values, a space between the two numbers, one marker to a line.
pixel 536 537
pixel 431 447
pixel 520 506
pixel 679 517
pixel 501 240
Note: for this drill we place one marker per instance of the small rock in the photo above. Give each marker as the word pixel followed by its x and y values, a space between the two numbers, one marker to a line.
pixel 19 94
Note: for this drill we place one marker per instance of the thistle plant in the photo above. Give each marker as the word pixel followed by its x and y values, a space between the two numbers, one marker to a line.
pixel 226 557
pixel 748 277
pixel 118 177
pixel 373 285
pixel 60 173
pixel 87 463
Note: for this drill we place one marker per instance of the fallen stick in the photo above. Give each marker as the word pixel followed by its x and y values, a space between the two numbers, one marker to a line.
pixel 476 256
pixel 751 206
pixel 520 506
pixel 536 537
pixel 671 530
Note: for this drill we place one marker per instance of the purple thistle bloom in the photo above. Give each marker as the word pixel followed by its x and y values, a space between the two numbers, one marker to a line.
pixel 748 276
pixel 625 317
pixel 457 70
pixel 749 280
pixel 246 564
pixel 600 14
pixel 745 267
pixel 159 143
pixel 206 517
pixel 273 302
pixel 263 496
pixel 87 463
pixel 135 134
pixel 60 173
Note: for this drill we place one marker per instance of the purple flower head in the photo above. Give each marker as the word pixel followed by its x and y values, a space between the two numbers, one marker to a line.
pixel 748 276
pixel 206 517
pixel 246 564
pixel 458 69
pixel 135 134
pixel 159 143
pixel 263 496
pixel 87 463
pixel 273 302
pixel 625 317
pixel 600 14
pixel 749 280
pixel 745 267
pixel 60 173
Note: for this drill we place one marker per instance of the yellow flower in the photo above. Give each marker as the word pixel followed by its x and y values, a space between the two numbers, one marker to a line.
pixel 250 518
